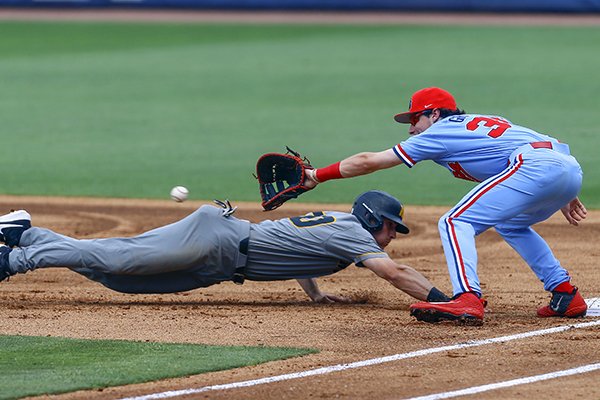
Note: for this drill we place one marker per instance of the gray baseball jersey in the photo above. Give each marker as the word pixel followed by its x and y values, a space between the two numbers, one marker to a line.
pixel 316 244
pixel 203 249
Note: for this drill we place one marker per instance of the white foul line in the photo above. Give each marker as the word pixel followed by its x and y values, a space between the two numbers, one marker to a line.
pixel 513 382
pixel 364 363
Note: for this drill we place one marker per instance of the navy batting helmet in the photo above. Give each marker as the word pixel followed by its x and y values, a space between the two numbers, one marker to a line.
pixel 373 206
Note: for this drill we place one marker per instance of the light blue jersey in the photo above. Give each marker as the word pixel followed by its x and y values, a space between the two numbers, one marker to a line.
pixel 524 177
pixel 472 147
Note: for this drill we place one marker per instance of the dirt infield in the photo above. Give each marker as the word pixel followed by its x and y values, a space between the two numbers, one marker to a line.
pixel 58 302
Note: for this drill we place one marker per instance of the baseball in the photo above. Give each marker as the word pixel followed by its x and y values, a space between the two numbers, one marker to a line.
pixel 179 193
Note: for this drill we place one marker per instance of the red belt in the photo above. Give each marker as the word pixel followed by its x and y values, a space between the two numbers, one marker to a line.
pixel 541 145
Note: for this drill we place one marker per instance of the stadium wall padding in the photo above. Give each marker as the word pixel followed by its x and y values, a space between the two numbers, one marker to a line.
pixel 550 6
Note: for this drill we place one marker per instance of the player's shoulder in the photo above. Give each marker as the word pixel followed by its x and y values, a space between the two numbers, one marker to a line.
pixel 339 221
pixel 460 122
pixel 348 222
pixel 348 232
pixel 452 124
pixel 322 218
pixel 343 218
pixel 465 118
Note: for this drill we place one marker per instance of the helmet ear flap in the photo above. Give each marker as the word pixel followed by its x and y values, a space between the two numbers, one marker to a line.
pixel 375 223
pixel 372 220
pixel 367 217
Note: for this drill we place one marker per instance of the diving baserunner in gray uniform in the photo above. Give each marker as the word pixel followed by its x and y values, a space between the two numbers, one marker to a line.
pixel 211 246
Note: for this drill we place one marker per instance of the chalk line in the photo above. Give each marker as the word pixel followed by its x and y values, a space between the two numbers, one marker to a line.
pixel 363 363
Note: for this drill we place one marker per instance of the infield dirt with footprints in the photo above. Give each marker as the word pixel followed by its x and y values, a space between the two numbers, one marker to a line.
pixel 58 302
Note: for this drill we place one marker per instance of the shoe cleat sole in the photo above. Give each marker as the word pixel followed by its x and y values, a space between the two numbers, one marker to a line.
pixel 435 316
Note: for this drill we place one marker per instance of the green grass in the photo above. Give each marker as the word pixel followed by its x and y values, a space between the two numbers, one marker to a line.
pixel 130 110
pixel 44 365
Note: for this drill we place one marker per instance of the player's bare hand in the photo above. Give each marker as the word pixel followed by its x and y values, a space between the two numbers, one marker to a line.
pixel 574 211
pixel 311 180
pixel 331 298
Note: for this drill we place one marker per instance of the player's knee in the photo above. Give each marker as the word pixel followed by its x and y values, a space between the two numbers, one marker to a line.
pixel 443 222
pixel 510 232
pixel 205 211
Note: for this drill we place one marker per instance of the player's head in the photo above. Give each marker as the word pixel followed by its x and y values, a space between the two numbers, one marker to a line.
pixel 432 103
pixel 373 207
pixel 425 100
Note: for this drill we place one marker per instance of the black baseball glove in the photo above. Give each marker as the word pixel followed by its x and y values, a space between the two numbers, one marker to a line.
pixel 281 177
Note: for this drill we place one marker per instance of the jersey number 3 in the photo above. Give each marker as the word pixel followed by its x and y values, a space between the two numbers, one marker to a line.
pixel 499 125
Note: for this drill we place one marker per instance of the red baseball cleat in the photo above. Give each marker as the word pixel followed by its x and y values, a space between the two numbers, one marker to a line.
pixel 465 308
pixel 564 304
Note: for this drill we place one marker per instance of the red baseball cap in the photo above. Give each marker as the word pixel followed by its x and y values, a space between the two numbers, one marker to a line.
pixel 427 99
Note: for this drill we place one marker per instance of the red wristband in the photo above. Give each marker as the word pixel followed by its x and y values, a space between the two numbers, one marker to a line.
pixel 330 172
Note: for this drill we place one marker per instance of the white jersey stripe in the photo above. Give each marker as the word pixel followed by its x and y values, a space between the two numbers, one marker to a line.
pixel 403 156
pixel 457 255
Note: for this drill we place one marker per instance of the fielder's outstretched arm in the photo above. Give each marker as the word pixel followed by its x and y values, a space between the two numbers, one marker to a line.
pixel 356 165
pixel 405 278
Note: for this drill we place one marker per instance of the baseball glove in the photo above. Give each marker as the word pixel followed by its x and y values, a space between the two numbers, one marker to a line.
pixel 281 177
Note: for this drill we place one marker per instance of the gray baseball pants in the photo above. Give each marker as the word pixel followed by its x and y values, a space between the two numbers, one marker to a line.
pixel 198 251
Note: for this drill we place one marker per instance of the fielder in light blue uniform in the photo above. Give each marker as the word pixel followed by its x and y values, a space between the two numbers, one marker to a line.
pixel 523 178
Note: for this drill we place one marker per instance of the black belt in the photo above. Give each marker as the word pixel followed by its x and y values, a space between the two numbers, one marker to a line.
pixel 244 246
pixel 239 276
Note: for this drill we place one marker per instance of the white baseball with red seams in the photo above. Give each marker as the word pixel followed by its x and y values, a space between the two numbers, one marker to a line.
pixel 179 194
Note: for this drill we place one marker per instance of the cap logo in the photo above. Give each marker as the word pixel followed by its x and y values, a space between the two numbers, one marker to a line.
pixel 428 105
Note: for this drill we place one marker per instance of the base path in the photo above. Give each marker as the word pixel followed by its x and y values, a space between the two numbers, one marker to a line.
pixel 58 302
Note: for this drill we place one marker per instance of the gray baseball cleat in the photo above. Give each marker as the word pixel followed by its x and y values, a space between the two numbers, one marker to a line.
pixel 5 271
pixel 12 226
